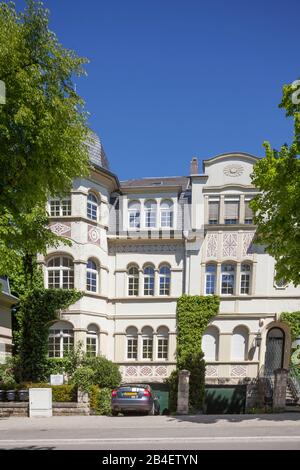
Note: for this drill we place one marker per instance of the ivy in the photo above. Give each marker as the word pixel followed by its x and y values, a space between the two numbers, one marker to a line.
pixel 193 316
pixel 38 308
pixel 292 319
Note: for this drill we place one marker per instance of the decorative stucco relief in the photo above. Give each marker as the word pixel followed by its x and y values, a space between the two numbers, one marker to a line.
pixel 212 245
pixel 230 244
pixel 211 371
pixel 233 170
pixel 63 230
pixel 94 235
pixel 144 249
pixel 247 243
pixel 238 371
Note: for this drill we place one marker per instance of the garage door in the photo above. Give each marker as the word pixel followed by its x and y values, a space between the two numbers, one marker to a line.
pixel 224 399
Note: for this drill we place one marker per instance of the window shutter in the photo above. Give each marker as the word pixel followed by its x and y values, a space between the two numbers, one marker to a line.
pixel 213 210
pixel 231 210
pixel 248 211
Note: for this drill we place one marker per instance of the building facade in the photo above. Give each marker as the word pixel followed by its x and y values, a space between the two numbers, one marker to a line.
pixel 138 245
pixel 7 300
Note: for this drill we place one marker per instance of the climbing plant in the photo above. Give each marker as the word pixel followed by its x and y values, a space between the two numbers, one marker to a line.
pixel 193 316
pixel 292 319
pixel 38 308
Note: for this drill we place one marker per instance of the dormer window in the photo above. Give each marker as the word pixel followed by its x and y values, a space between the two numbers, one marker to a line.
pixel 166 214
pixel 150 214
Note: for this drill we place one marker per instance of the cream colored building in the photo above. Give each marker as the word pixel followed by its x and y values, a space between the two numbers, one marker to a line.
pixel 140 244
pixel 6 302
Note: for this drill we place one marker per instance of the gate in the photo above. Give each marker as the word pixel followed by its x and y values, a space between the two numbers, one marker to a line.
pixel 222 399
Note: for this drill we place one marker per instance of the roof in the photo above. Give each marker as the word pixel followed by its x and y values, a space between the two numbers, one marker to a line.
pixel 96 152
pixel 157 182
pixel 5 285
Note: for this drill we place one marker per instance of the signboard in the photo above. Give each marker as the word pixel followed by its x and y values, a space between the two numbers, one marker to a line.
pixel 57 379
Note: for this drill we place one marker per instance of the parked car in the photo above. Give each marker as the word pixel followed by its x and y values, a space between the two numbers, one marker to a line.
pixel 134 397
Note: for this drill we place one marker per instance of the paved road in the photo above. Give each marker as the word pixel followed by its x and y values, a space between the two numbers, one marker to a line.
pixel 211 432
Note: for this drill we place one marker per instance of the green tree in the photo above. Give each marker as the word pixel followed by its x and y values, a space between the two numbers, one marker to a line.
pixel 43 128
pixel 276 207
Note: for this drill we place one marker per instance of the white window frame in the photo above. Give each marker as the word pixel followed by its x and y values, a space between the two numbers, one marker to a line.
pixel 60 207
pixel 164 285
pixel 133 282
pixel 134 215
pixel 61 333
pixel 149 281
pixel 245 279
pixel 208 275
pixel 61 272
pixel 167 214
pixel 224 274
pixel 132 343
pixel 150 214
pixel 163 355
pixel 92 274
pixel 92 206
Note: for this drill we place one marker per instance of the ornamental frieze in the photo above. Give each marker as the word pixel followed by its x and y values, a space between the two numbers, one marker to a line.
pixel 144 249
pixel 94 235
pixel 230 244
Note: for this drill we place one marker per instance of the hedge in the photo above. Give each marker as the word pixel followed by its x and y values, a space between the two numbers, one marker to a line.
pixel 60 393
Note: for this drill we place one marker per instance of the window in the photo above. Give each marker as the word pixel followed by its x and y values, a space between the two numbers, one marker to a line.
pixel 60 273
pixel 92 340
pixel 239 343
pixel 231 212
pixel 210 279
pixel 150 214
pixel 210 344
pixel 92 207
pixel 60 207
pixel 91 276
pixel 166 214
pixel 245 278
pixel 133 281
pixel 213 212
pixel 134 214
pixel 147 338
pixel 164 280
pixel 132 343
pixel 162 342
pixel 248 213
pixel 61 339
pixel 227 280
pixel 148 280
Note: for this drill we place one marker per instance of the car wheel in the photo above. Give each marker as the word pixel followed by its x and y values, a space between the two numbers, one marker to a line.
pixel 152 411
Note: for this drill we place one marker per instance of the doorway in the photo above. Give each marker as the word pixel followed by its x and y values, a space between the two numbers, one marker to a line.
pixel 274 350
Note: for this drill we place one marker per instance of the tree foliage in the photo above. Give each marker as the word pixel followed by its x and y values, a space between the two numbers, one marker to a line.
pixel 276 207
pixel 43 130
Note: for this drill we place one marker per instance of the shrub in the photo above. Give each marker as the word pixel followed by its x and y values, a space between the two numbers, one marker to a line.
pixel 60 393
pixel 100 400
pixel 83 378
pixel 106 373
pixel 172 382
pixel 7 376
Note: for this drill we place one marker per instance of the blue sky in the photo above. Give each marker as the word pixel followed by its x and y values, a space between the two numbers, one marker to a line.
pixel 173 79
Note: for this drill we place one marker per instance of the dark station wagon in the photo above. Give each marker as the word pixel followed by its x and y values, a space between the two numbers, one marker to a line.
pixel 134 397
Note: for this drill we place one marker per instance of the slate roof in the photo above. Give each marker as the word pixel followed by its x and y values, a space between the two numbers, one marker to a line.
pixel 160 182
pixel 96 152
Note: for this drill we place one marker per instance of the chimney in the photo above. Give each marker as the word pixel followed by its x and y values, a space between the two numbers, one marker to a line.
pixel 194 166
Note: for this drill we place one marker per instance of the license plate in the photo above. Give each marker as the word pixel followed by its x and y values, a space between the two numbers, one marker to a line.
pixel 129 394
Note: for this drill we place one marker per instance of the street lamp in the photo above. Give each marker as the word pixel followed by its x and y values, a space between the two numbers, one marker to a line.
pixel 258 339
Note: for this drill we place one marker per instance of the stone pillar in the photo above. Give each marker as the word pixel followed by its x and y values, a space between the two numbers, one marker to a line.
pixel 83 400
pixel 183 392
pixel 279 395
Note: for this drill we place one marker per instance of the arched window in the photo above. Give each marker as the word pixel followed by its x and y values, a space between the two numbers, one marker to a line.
pixel 162 342
pixel 133 281
pixel 61 339
pixel 149 280
pixel 147 338
pixel 92 207
pixel 92 340
pixel 132 342
pixel 210 279
pixel 164 280
pixel 91 276
pixel 150 214
pixel 227 278
pixel 239 343
pixel 60 271
pixel 166 214
pixel 245 278
pixel 134 214
pixel 60 207
pixel 210 344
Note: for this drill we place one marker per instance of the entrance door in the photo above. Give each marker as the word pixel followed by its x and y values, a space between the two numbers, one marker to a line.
pixel 274 350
